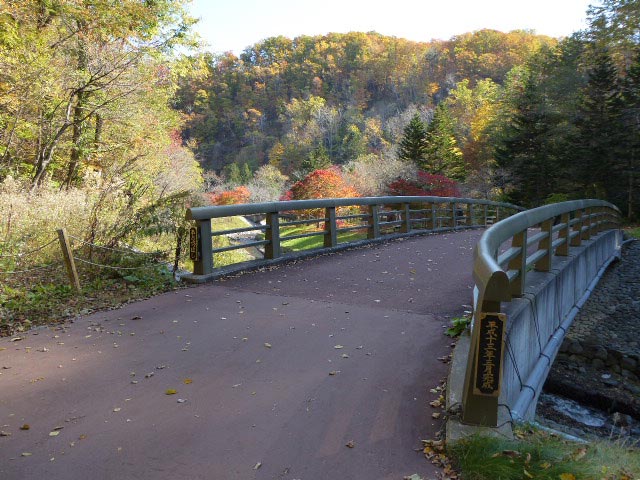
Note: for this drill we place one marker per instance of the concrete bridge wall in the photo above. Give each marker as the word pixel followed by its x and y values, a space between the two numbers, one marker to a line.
pixel 536 325
pixel 538 321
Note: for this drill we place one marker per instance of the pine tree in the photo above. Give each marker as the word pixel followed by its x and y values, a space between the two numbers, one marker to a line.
pixel 442 155
pixel 600 130
pixel 413 146
pixel 525 152
pixel 631 119
pixel 318 159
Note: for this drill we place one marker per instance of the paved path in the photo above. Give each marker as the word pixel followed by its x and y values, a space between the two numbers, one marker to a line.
pixel 259 375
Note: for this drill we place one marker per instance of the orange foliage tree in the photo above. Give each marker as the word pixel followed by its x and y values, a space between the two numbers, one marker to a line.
pixel 326 183
pixel 231 197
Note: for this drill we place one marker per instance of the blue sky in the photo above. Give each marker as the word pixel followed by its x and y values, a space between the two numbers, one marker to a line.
pixel 235 24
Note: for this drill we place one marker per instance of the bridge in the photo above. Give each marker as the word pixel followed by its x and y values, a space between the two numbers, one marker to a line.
pixel 318 369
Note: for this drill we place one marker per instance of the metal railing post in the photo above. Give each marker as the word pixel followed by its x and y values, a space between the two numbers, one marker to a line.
pixel 406 224
pixel 454 216
pixel 203 264
pixel 577 228
pixel 374 222
pixel 544 264
pixel 330 227
pixel 586 233
pixel 272 235
pixel 563 249
pixel 519 263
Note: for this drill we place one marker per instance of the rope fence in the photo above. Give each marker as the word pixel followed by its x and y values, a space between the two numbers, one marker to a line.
pixel 70 248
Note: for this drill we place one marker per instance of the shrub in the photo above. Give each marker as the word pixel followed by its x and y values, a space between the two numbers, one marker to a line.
pixel 426 184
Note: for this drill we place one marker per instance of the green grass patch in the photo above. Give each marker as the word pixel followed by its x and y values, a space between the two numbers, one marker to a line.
pixel 633 231
pixel 227 223
pixel 536 454
pixel 317 241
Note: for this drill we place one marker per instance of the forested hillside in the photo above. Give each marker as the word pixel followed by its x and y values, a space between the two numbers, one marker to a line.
pixel 334 98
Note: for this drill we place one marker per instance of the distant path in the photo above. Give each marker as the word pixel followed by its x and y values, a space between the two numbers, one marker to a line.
pixel 248 403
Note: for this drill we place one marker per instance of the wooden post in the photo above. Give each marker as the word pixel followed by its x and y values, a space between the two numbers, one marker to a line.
pixel 272 235
pixel 67 254
pixel 330 227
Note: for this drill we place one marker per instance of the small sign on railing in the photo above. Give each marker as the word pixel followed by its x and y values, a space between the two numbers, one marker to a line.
pixel 193 244
pixel 487 377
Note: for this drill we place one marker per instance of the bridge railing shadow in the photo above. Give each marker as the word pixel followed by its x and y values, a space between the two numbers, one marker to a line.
pixel 329 224
pixel 507 254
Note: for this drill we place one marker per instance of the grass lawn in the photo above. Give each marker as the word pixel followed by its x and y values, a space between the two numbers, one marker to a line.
pixel 536 454
pixel 633 231
pixel 317 241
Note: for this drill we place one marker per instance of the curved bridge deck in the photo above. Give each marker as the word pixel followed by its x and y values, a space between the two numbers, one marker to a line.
pixel 270 385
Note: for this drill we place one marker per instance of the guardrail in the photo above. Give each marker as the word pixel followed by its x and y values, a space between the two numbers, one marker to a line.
pixel 500 273
pixel 374 217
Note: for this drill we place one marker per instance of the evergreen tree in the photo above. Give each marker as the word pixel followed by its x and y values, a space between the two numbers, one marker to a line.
pixel 442 155
pixel 631 119
pixel 413 145
pixel 524 150
pixel 318 159
pixel 600 130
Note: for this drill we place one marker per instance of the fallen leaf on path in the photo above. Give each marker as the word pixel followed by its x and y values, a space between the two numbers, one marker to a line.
pixel 26 454
pixel 25 427
pixel 435 415
pixel 181 400
pixel 257 465
pixel 55 433
pixel 338 347
pixel 350 444
pixel 16 339
pixel 334 372
pixel 137 317
pixel 171 391
pixel 187 381
pixel 415 476
pixel 344 355
pixel 268 345
pixel 4 434
pixel 117 409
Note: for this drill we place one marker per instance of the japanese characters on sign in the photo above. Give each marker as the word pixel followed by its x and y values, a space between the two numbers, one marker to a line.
pixel 193 244
pixel 489 354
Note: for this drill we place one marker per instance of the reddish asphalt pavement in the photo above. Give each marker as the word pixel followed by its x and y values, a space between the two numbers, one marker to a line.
pixel 274 373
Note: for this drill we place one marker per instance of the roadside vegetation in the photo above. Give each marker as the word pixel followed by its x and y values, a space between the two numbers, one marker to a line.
pixel 537 454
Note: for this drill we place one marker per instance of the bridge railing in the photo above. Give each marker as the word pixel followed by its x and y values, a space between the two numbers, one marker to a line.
pixel 504 256
pixel 338 221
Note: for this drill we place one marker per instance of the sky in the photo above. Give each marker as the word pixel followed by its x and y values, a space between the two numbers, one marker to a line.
pixel 232 25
